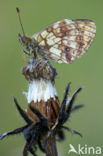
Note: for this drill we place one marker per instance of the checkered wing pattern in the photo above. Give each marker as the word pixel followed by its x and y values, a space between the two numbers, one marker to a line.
pixel 66 40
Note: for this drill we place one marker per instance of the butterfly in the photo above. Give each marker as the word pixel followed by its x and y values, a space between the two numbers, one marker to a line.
pixel 62 42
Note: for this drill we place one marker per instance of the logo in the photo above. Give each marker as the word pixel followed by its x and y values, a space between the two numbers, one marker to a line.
pixel 85 149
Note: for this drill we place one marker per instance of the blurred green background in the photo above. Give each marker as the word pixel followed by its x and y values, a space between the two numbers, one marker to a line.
pixel 88 71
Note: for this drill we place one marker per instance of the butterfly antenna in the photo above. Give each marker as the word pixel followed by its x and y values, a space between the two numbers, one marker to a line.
pixel 18 12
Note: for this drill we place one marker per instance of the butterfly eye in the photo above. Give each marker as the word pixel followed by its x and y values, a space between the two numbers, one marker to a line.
pixel 24 40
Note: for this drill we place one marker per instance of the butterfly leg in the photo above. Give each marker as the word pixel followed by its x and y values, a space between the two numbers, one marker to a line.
pixel 27 52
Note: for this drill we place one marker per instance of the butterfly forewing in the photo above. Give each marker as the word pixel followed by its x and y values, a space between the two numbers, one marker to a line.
pixel 66 40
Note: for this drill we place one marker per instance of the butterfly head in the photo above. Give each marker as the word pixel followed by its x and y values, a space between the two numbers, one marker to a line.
pixel 31 46
pixel 24 40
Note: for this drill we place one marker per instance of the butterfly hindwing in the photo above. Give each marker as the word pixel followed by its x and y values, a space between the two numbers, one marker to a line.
pixel 66 40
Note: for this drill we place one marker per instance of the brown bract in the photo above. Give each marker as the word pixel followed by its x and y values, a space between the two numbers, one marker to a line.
pixel 49 109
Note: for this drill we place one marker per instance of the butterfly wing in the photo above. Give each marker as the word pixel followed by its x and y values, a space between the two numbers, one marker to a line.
pixel 66 40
